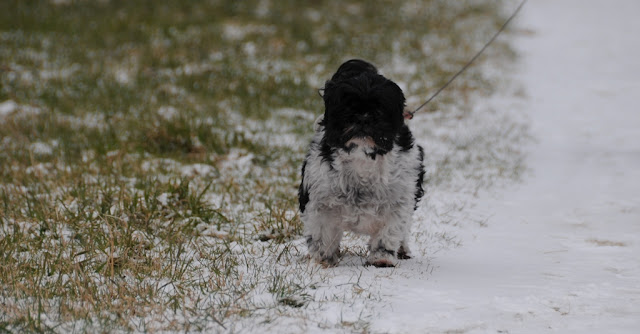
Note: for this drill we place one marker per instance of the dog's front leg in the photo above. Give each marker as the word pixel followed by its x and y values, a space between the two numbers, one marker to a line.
pixel 404 253
pixel 383 245
pixel 323 233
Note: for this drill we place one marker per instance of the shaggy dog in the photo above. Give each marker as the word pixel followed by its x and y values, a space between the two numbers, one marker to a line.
pixel 363 173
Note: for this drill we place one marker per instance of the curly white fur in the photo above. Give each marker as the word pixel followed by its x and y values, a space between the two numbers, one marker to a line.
pixel 351 191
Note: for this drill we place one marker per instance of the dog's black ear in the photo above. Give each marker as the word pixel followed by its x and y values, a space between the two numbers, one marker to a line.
pixel 391 100
pixel 330 100
pixel 336 93
pixel 391 97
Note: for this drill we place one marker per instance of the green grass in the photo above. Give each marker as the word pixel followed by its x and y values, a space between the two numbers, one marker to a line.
pixel 122 205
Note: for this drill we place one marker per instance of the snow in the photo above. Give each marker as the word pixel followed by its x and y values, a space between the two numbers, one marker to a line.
pixel 236 32
pixel 238 161
pixel 197 169
pixel 163 199
pixel 168 112
pixel 41 148
pixel 561 251
pixel 7 107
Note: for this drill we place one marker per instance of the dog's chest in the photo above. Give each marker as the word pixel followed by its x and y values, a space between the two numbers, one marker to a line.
pixel 363 182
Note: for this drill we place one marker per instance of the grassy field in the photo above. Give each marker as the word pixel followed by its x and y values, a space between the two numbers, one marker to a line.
pixel 150 150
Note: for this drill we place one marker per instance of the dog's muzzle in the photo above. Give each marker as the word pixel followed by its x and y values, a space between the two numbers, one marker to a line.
pixel 365 142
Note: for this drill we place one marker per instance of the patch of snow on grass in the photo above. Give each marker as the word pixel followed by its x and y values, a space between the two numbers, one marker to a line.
pixel 238 162
pixel 237 32
pixel 41 148
pixel 197 169
pixel 167 112
pixel 7 107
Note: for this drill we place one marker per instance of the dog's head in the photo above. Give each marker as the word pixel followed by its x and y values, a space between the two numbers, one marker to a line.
pixel 362 108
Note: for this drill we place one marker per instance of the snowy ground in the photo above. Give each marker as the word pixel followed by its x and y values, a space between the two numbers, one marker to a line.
pixel 561 253
pixel 513 236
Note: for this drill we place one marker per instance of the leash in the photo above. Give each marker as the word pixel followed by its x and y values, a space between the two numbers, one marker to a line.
pixel 409 114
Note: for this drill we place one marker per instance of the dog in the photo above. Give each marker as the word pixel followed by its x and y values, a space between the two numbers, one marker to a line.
pixel 363 171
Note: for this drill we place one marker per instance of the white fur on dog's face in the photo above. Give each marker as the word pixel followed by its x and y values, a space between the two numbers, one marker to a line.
pixel 361 141
pixel 364 143
pixel 363 172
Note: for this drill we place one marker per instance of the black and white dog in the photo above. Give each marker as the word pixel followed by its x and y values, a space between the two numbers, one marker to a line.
pixel 363 172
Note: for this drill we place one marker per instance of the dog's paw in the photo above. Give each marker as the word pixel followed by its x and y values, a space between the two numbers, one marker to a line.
pixel 404 253
pixel 324 257
pixel 328 261
pixel 381 258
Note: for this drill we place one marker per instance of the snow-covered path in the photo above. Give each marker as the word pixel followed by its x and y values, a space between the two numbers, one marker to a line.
pixel 561 253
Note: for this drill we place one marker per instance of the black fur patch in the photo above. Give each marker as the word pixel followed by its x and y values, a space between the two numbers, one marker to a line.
pixel 381 249
pixel 402 254
pixel 405 139
pixel 303 194
pixel 419 182
pixel 326 152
